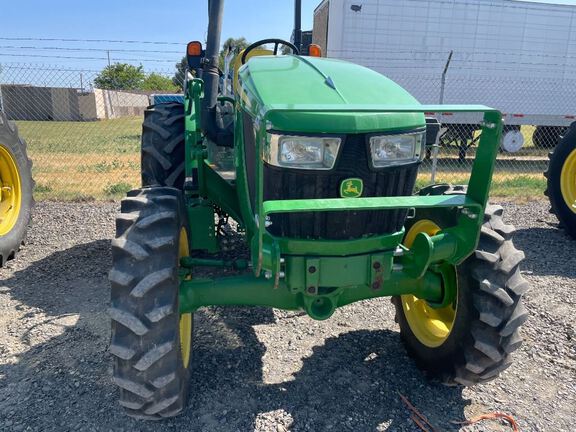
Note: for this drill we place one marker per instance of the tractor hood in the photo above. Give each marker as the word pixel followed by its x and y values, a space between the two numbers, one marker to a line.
pixel 298 83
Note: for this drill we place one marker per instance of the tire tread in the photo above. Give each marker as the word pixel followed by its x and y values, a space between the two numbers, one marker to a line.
pixel 495 312
pixel 145 343
pixel 162 151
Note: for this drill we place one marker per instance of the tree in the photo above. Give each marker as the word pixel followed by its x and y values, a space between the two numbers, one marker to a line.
pixel 180 75
pixel 157 82
pixel 237 45
pixel 120 76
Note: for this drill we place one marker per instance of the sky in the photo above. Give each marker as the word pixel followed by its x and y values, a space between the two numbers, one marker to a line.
pixel 173 22
pixel 568 2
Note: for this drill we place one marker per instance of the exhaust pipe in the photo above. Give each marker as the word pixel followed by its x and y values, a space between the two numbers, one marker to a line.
pixel 298 24
pixel 211 76
pixel 210 125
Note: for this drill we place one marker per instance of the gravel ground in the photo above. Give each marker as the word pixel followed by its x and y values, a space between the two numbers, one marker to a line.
pixel 262 369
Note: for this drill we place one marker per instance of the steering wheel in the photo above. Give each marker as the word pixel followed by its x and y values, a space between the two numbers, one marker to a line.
pixel 276 42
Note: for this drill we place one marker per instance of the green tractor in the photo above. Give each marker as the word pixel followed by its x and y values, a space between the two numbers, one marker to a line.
pixel 16 188
pixel 561 179
pixel 316 160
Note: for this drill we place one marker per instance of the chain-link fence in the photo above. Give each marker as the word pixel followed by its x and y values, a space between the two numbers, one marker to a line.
pixel 536 113
pixel 85 142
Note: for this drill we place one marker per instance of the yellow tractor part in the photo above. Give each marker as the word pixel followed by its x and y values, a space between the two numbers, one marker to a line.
pixel 238 62
pixel 431 326
pixel 185 319
pixel 568 181
pixel 10 191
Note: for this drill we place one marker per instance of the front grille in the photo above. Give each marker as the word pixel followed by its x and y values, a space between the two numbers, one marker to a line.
pixel 282 184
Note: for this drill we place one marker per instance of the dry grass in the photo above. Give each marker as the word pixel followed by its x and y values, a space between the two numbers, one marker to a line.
pixel 86 176
pixel 84 160
pixel 101 160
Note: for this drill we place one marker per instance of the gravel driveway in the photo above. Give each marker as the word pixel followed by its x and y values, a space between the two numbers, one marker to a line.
pixel 262 369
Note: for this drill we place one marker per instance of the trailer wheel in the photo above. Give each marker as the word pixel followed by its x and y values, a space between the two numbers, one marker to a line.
pixel 151 340
pixel 163 145
pixel 512 139
pixel 469 341
pixel 16 186
pixel 561 185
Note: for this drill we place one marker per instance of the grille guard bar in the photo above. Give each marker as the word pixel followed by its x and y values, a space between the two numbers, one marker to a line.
pixel 369 203
pixel 474 201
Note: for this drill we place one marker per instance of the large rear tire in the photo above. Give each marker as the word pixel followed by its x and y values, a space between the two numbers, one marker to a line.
pixel 16 190
pixel 561 186
pixel 163 145
pixel 469 341
pixel 151 341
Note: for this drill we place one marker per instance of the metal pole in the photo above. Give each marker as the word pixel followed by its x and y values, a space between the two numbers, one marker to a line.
pixel 227 90
pixel 435 148
pixel 436 145
pixel 298 24
pixel 443 82
pixel 108 52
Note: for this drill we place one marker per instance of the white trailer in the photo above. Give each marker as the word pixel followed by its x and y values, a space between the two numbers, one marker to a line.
pixel 516 56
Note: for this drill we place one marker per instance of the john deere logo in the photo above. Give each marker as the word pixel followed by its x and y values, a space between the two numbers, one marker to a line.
pixel 351 188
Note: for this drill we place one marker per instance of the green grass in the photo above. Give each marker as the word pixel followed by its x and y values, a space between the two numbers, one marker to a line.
pixel 503 185
pixel 519 186
pixel 118 189
pixel 40 188
pixel 119 136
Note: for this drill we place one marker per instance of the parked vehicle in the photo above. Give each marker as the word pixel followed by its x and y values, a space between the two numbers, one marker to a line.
pixel 324 161
pixel 561 175
pixel 16 187
pixel 516 56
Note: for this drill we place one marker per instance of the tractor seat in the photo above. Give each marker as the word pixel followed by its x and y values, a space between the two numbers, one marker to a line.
pixel 238 61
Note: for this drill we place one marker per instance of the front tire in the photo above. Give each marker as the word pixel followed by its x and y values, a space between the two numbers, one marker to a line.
pixel 16 186
pixel 561 185
pixel 472 344
pixel 151 341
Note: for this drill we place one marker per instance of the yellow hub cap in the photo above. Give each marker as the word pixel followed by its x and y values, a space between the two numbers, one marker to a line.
pixel 431 326
pixel 10 191
pixel 568 181
pixel 185 319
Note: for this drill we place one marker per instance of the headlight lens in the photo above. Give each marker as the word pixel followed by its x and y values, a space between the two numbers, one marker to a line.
pixel 387 150
pixel 302 152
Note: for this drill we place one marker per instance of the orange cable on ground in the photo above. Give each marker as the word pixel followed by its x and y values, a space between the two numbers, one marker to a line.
pixel 418 418
pixel 491 416
pixel 419 423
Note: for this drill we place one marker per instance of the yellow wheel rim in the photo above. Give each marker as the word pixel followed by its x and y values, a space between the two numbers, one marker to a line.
pixel 10 191
pixel 568 181
pixel 185 319
pixel 431 326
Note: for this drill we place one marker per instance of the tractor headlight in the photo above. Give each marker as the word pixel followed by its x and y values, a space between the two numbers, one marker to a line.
pixel 302 152
pixel 387 150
